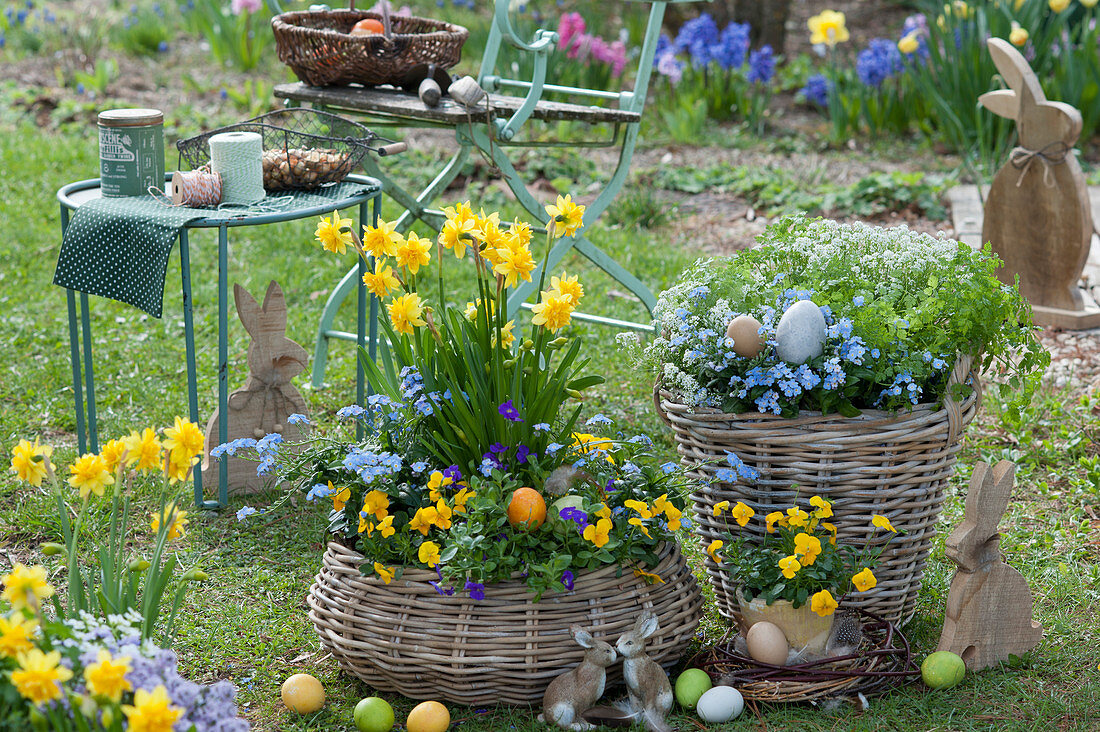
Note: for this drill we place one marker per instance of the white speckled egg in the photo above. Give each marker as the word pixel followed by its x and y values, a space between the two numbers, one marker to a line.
pixel 767 644
pixel 745 332
pixel 720 704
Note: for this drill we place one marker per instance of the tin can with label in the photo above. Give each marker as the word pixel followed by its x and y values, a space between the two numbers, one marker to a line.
pixel 131 151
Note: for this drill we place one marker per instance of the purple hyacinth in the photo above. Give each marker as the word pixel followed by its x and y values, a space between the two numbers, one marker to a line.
pixel 699 37
pixel 761 65
pixel 733 45
pixel 817 90
pixel 878 62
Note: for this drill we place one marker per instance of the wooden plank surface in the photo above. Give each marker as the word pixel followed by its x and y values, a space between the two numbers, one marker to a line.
pixel 397 103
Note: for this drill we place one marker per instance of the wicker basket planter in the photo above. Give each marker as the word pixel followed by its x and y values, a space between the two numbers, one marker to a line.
pixel 505 649
pixel 317 47
pixel 893 464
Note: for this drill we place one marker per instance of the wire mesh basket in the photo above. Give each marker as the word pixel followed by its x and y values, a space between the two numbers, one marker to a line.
pixel 303 148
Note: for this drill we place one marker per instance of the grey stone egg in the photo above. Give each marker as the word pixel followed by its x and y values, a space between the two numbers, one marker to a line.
pixel 800 334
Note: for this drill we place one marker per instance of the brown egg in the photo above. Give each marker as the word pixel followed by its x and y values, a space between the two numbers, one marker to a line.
pixel 745 332
pixel 767 644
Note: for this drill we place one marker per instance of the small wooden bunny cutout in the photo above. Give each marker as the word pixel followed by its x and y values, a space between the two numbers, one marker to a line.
pixel 268 397
pixel 989 605
pixel 1037 214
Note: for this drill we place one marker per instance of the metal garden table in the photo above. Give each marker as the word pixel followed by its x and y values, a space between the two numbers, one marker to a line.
pixel 73 195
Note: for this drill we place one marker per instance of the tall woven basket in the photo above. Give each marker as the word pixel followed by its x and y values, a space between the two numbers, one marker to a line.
pixel 893 464
pixel 505 649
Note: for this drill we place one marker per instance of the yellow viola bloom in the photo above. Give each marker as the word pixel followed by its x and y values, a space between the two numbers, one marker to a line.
pixel 436 481
pixel 832 531
pixel 742 513
pixel 143 450
pixel 28 461
pixel 790 566
pixel 568 286
pixel 797 517
pixel 461 498
pixel 823 603
pixel 640 507
pixel 175 516
pixel 332 235
pixel 38 676
pixel 15 635
pixel 553 311
pixel 443 514
pixel 107 676
pixel 910 43
pixel 566 217
pixel 828 28
pixel 423 520
pixel 382 280
pixel 864 580
pixel 883 523
pixel 385 527
pixel 376 503
pixel 384 573
pixel 602 512
pixel 1018 36
pixel 712 550
pixel 151 712
pixel 824 508
pixel 90 475
pixel 429 553
pixel 599 532
pixel 25 587
pixel 719 507
pixel 381 240
pixel 405 313
pixel 649 577
pixel 773 518
pixel 413 253
pixel 807 548
pixel 635 521
pixel 339 497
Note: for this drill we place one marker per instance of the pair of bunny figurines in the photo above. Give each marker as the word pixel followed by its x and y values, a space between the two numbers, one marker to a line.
pixel 649 693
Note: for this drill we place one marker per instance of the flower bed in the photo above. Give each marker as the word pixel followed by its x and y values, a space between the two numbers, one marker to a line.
pixel 407 637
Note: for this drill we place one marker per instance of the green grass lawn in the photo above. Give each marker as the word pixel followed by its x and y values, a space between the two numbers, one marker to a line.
pixel 248 624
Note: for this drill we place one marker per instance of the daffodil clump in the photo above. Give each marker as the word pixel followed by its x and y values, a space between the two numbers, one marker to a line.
pixel 120 581
pixel 798 559
pixel 92 673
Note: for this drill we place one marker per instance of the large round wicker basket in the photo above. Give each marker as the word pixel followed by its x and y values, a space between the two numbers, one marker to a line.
pixel 505 649
pixel 893 464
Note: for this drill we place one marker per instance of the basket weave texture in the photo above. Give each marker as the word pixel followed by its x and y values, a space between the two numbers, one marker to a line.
pixel 316 45
pixel 505 649
pixel 892 464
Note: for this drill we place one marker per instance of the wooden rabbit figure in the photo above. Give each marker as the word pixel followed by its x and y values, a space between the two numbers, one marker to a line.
pixel 647 685
pixel 1037 214
pixel 989 605
pixel 268 397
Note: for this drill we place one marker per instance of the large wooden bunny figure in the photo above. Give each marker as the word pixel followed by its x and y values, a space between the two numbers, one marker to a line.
pixel 268 397
pixel 989 605
pixel 1037 214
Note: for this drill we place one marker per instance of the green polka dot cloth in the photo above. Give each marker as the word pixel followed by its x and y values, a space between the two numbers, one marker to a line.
pixel 119 247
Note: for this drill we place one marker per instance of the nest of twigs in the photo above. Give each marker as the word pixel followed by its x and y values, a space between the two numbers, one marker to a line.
pixel 883 660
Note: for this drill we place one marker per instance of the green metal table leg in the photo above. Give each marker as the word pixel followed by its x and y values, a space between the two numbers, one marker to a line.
pixel 223 362
pixel 89 380
pixel 189 340
pixel 74 354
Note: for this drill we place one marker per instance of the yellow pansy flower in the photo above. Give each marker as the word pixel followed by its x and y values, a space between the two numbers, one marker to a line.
pixel 461 498
pixel 107 676
pixel 883 523
pixel 25 587
pixel 823 603
pixel 807 548
pixel 376 503
pixel 832 531
pixel 824 508
pixel 864 580
pixel 39 676
pixel 151 712
pixel 90 475
pixel 828 28
pixel 796 516
pixel 423 520
pixel 405 313
pixel 719 507
pixel 381 240
pixel 566 217
pixel 773 518
pixel 635 521
pixel 443 514
pixel 384 573
pixel 649 577
pixel 28 461
pixel 742 513
pixel 332 235
pixel 639 507
pixel 602 512
pixel 436 481
pixel 385 527
pixel 429 553
pixel 712 550
pixel 339 498
pixel 598 533
pixel 790 566
pixel 382 280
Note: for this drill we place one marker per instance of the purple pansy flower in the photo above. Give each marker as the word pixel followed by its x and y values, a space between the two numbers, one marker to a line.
pixel 476 590
pixel 567 579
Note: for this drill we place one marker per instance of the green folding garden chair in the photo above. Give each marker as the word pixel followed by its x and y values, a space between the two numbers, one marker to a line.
pixel 497 140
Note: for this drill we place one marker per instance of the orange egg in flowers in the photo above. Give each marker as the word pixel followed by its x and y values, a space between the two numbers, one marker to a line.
pixel 367 27
pixel 429 716
pixel 527 509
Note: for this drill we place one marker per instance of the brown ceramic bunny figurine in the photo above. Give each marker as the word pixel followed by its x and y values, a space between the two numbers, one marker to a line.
pixel 989 605
pixel 268 397
pixel 1037 214
pixel 647 685
pixel 574 691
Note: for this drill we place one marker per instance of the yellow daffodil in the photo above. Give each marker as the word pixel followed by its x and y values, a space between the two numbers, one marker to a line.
pixel 883 523
pixel 790 566
pixel 828 28
pixel 405 313
pixel 1018 35
pixel 719 507
pixel 184 439
pixel 339 497
pixel 429 553
pixel 381 240
pixel 566 217
pixel 507 334
pixel 39 676
pixel 1088 3
pixel 824 508
pixel 649 577
pixel 382 281
pixel 1058 6
pixel 436 481
pixel 961 9
pixel 413 253
pixel 518 235
pixel 773 518
pixel 384 573
pixel 742 513
pixel 456 234
pixel 15 635
pixel 151 712
pixel 553 311
pixel 599 532
pixel 90 475
pixel 909 43
pixel 178 467
pixel 823 603
pixel 796 516
pixel 635 521
pixel 107 676
pixel 639 507
pixel 25 587
pixel 514 265
pixel 487 227
pixel 143 450
pixel 460 211
pixel 423 520
pixel 28 461
pixel 114 454
pixel 568 286
pixel 175 516
pixel 712 550
pixel 334 233
pixel 807 548
pixel 864 580
pixel 385 527
pixel 376 504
